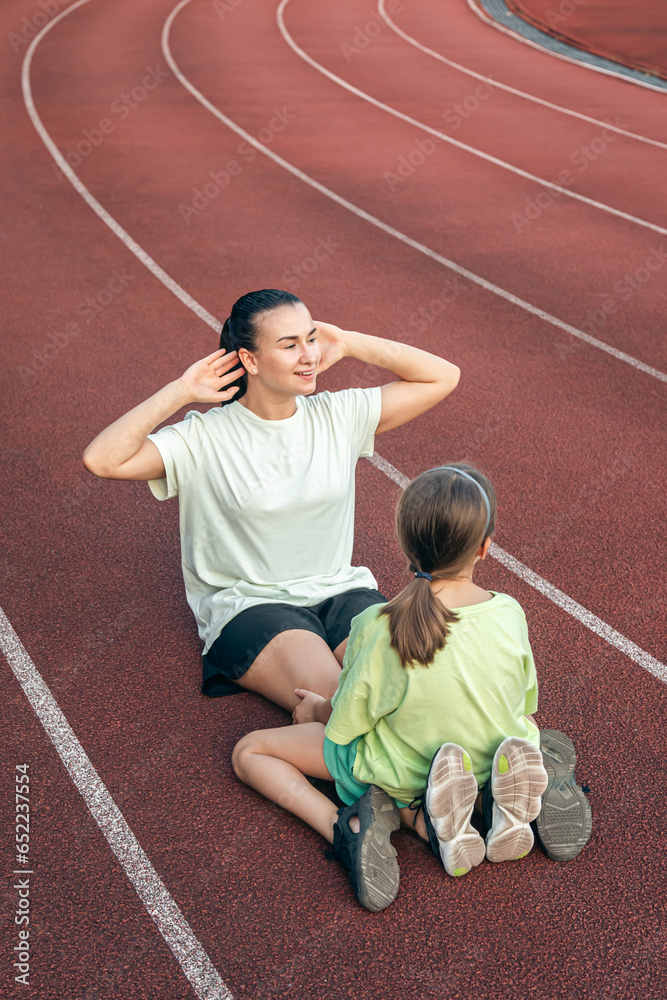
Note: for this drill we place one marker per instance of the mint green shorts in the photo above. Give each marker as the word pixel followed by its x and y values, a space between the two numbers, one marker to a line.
pixel 339 761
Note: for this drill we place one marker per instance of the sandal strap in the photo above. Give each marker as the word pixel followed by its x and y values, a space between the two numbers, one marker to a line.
pixel 345 839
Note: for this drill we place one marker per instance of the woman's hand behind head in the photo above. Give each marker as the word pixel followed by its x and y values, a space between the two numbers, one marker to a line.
pixel 332 342
pixel 206 379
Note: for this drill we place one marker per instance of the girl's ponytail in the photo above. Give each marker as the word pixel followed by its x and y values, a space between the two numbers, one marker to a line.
pixel 442 519
pixel 418 623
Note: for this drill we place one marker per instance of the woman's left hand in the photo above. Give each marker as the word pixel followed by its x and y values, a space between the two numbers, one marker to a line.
pixel 305 710
pixel 332 343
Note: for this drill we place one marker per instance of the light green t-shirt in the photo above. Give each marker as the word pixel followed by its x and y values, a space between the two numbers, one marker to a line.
pixel 475 693
pixel 267 506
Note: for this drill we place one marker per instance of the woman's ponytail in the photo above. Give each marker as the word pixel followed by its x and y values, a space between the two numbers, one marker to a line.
pixel 241 329
pixel 242 380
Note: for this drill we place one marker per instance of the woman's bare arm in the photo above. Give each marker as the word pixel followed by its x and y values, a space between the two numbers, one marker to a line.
pixel 121 451
pixel 423 378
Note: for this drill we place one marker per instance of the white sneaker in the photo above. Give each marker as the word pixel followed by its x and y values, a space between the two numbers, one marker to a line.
pixel 448 803
pixel 518 779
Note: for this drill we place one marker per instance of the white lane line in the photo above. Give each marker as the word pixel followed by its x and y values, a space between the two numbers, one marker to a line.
pixel 397 234
pixel 510 90
pixel 494 160
pixel 187 950
pixel 177 933
pixel 572 607
pixel 567 603
pixel 64 166
pixel 483 16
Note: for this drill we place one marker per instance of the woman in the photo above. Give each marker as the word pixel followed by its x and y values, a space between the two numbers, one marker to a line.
pixel 266 488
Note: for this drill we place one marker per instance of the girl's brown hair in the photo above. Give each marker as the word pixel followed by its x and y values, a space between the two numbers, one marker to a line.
pixel 441 521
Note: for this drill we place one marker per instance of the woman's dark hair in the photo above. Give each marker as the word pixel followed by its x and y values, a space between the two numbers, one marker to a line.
pixel 241 329
pixel 441 521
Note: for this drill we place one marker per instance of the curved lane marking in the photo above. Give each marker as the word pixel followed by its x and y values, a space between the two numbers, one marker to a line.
pixel 390 230
pixel 90 200
pixel 510 90
pixel 572 607
pixel 494 160
pixel 483 16
pixel 188 951
pixel 568 604
pixel 172 925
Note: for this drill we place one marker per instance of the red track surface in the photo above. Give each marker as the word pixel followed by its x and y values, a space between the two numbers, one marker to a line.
pixel 634 34
pixel 570 436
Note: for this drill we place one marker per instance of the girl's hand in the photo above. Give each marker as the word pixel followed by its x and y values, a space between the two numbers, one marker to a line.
pixel 206 378
pixel 332 342
pixel 305 710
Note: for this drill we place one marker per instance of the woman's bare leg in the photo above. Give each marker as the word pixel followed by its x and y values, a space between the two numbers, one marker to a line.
pixel 293 659
pixel 275 761
pixel 339 651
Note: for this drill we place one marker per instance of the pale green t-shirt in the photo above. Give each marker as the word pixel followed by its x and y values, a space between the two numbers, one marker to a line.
pixel 267 506
pixel 475 693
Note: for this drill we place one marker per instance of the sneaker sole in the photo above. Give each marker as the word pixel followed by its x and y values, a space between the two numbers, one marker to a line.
pixel 517 783
pixel 565 821
pixel 376 868
pixel 450 798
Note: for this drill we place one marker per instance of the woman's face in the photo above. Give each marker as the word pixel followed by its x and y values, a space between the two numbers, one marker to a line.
pixel 288 353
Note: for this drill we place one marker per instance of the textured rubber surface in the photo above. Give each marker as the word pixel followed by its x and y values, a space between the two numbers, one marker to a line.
pixel 90 570
pixel 565 820
pixel 518 780
pixel 500 12
pixel 369 854
pixel 613 30
pixel 449 800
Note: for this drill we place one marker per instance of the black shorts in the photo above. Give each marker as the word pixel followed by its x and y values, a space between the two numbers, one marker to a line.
pixel 249 632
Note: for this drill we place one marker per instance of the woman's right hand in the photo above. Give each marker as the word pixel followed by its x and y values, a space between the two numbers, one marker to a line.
pixel 205 380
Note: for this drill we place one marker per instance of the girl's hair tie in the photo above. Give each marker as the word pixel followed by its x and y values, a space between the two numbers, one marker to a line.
pixel 427 576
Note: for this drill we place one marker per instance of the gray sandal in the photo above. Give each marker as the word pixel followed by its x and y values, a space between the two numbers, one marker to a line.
pixel 368 855
pixel 565 820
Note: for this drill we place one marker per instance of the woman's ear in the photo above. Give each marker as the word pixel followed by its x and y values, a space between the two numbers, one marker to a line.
pixel 247 359
pixel 484 548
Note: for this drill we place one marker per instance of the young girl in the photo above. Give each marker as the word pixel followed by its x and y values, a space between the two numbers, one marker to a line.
pixel 434 703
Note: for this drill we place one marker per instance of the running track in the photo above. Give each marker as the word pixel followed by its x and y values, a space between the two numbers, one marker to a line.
pixel 571 432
